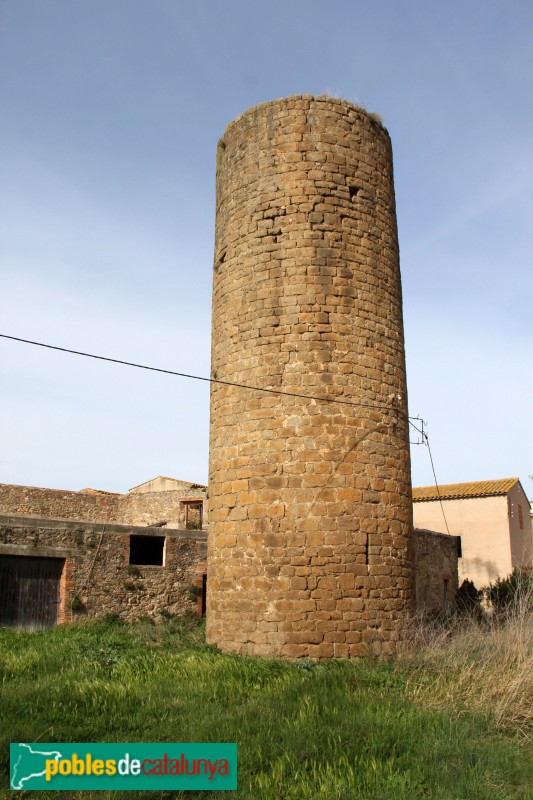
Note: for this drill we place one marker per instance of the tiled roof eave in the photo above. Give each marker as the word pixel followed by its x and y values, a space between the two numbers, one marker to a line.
pixel 461 491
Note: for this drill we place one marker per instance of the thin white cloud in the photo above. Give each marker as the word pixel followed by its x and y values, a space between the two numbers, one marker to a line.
pixel 512 185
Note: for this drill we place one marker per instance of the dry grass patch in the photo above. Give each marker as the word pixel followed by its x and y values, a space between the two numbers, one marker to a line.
pixel 477 664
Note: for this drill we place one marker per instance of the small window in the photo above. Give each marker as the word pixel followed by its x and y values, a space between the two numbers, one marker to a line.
pixel 147 550
pixel 194 515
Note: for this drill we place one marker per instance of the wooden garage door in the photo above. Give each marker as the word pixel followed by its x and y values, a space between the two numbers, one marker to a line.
pixel 29 591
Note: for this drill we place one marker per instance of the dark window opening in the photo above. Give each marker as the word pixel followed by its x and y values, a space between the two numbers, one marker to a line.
pixel 194 515
pixel 147 550
pixel 204 594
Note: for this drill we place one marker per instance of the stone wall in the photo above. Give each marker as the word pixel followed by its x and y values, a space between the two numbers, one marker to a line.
pixel 148 508
pixel 310 501
pixel 436 569
pixel 58 504
pixel 97 568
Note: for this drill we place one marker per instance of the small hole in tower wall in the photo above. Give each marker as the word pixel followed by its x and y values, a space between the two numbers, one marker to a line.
pixel 220 260
pixel 354 191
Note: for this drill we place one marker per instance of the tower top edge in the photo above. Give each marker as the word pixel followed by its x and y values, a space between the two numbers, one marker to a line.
pixel 306 102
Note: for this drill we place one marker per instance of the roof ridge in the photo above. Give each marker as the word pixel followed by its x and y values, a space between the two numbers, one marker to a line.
pixel 449 491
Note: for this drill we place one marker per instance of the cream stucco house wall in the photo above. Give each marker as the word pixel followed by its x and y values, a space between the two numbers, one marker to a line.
pixel 493 519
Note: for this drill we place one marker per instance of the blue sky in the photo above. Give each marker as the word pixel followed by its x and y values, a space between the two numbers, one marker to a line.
pixel 111 112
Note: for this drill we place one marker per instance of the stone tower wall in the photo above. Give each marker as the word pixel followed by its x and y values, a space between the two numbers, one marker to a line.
pixel 310 502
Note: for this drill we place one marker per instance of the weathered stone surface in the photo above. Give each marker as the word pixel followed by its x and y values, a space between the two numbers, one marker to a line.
pixel 97 571
pixel 436 569
pixel 148 508
pixel 307 299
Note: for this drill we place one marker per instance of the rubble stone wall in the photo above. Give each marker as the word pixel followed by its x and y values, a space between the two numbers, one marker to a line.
pixel 436 569
pixel 97 569
pixel 58 504
pixel 148 508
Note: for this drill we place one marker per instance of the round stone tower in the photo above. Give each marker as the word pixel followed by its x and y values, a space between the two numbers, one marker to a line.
pixel 309 500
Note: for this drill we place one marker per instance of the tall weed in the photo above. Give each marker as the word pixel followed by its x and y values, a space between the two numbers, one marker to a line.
pixel 474 664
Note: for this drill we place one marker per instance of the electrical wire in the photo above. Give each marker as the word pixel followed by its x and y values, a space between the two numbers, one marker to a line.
pixel 201 378
pixel 241 386
pixel 436 483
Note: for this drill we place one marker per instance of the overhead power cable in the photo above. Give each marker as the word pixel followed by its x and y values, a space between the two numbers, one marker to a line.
pixel 436 482
pixel 202 378
pixel 421 430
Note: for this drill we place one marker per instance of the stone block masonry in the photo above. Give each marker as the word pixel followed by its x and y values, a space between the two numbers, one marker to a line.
pixel 310 502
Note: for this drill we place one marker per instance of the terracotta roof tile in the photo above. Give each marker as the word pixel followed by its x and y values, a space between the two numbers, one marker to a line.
pixel 453 491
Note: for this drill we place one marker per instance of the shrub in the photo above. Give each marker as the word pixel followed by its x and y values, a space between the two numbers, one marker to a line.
pixel 112 618
pixel 145 619
pixel 513 592
pixel 468 600
pixel 194 593
pixel 76 604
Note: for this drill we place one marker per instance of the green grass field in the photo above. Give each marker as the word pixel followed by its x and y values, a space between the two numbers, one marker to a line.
pixel 343 729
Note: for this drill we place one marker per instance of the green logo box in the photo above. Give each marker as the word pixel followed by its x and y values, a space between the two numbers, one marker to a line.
pixel 107 766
